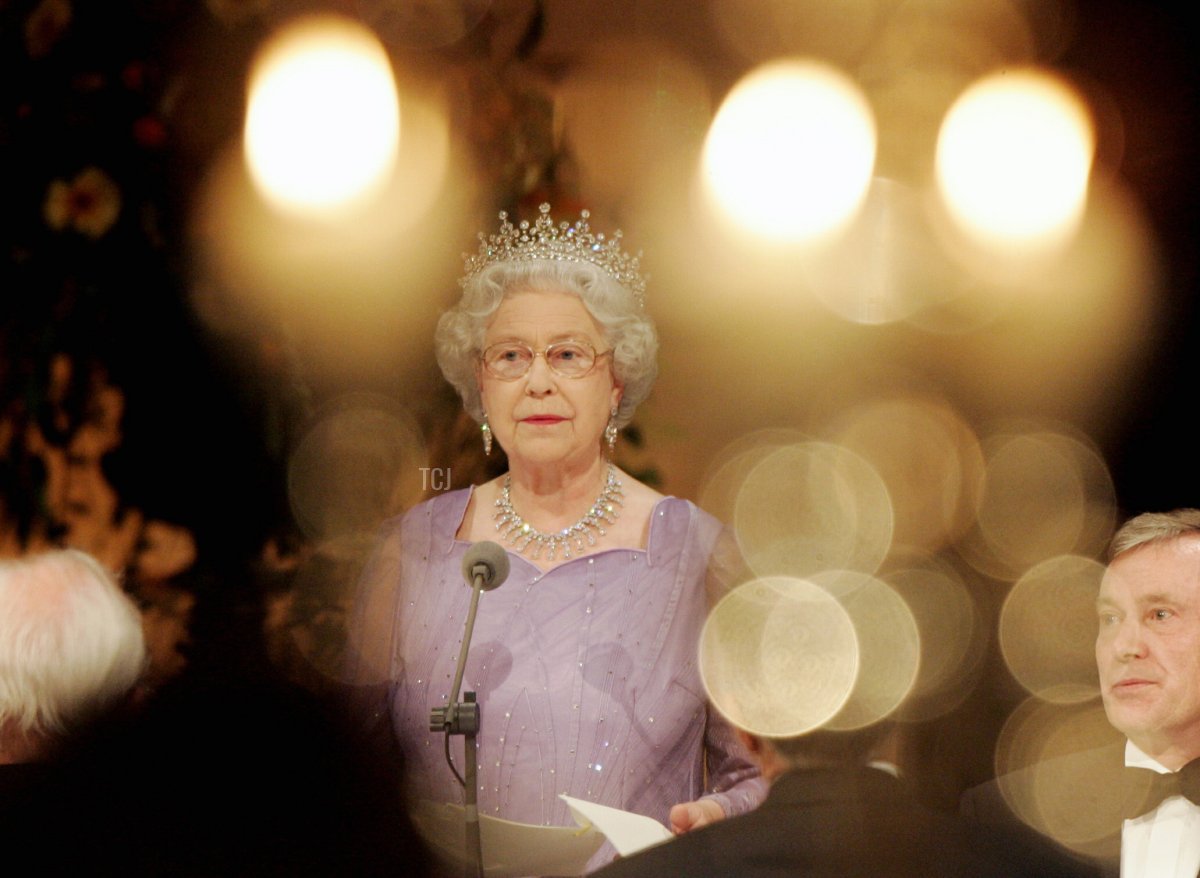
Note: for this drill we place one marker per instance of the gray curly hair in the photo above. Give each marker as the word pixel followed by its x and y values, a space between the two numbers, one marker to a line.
pixel 459 336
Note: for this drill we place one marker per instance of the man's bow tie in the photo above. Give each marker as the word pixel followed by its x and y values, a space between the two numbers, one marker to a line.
pixel 1146 789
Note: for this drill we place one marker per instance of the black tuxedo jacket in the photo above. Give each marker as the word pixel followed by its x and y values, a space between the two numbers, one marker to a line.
pixel 1078 799
pixel 846 822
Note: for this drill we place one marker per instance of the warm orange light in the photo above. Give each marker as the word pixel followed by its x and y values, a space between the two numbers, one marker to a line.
pixel 323 120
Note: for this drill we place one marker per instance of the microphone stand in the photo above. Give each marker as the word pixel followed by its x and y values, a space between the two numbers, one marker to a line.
pixel 462 718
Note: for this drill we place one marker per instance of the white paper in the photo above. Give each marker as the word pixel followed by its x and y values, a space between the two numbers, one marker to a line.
pixel 628 832
pixel 514 850
pixel 510 849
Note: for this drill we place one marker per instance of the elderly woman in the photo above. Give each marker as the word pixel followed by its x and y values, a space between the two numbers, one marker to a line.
pixel 584 659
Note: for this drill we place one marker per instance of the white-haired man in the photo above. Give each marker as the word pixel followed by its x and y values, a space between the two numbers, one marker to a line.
pixel 71 649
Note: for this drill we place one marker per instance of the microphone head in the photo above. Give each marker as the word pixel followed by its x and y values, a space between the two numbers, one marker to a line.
pixel 488 561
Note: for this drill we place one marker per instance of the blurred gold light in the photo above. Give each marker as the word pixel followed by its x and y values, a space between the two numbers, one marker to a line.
pixel 728 468
pixel 1046 493
pixel 1048 629
pixel 359 463
pixel 953 641
pixel 889 647
pixel 790 153
pixel 1013 159
pixel 390 252
pixel 323 118
pixel 928 457
pixel 1057 773
pixel 778 656
pixel 811 507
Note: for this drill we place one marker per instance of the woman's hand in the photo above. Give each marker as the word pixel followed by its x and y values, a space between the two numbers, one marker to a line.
pixel 687 816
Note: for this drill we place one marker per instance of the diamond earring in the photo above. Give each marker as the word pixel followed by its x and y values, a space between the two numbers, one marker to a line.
pixel 610 432
pixel 487 436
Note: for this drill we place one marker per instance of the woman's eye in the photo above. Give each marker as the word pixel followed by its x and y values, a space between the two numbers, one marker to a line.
pixel 567 353
pixel 510 355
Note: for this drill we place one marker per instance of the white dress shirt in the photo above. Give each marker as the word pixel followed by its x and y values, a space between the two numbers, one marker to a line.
pixel 1164 843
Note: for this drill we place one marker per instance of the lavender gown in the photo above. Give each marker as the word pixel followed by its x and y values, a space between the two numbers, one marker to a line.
pixel 586 674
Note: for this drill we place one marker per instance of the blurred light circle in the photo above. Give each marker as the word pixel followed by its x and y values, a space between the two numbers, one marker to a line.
pixel 790 153
pixel 928 457
pixel 728 468
pixel 355 466
pixel 953 639
pixel 323 118
pixel 1046 494
pixel 1014 156
pixel 889 647
pixel 778 656
pixel 1056 771
pixel 1048 629
pixel 812 507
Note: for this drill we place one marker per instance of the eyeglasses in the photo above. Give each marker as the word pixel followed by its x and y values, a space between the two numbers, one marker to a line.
pixel 510 360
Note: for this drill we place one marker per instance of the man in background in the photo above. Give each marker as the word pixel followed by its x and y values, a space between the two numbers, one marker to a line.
pixel 71 650
pixel 784 661
pixel 1126 804
pixel 833 811
pixel 1148 656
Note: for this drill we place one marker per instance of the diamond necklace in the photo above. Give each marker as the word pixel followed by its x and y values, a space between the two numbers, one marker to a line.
pixel 519 534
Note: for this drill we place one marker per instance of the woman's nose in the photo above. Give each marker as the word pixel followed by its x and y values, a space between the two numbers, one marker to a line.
pixel 539 380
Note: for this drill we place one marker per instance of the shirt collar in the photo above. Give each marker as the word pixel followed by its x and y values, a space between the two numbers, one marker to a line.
pixel 1136 757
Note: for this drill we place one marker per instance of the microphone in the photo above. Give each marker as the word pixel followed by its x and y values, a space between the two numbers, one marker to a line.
pixel 488 562
pixel 485 567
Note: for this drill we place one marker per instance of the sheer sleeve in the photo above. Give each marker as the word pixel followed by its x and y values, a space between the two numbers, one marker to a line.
pixel 734 780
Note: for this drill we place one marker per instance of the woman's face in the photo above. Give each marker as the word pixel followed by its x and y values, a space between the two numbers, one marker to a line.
pixel 542 417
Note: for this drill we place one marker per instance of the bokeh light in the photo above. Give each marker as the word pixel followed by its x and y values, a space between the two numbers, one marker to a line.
pixel 1048 629
pixel 953 636
pixel 728 468
pixel 889 647
pixel 322 118
pixel 790 153
pixel 929 458
pixel 359 462
pixel 778 656
pixel 1059 770
pixel 1047 493
pixel 352 290
pixel 811 507
pixel 1014 157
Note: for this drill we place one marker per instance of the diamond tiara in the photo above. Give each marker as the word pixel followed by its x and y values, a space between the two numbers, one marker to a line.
pixel 564 243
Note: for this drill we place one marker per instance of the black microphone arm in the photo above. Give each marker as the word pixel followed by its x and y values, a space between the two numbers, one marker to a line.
pixel 485 567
